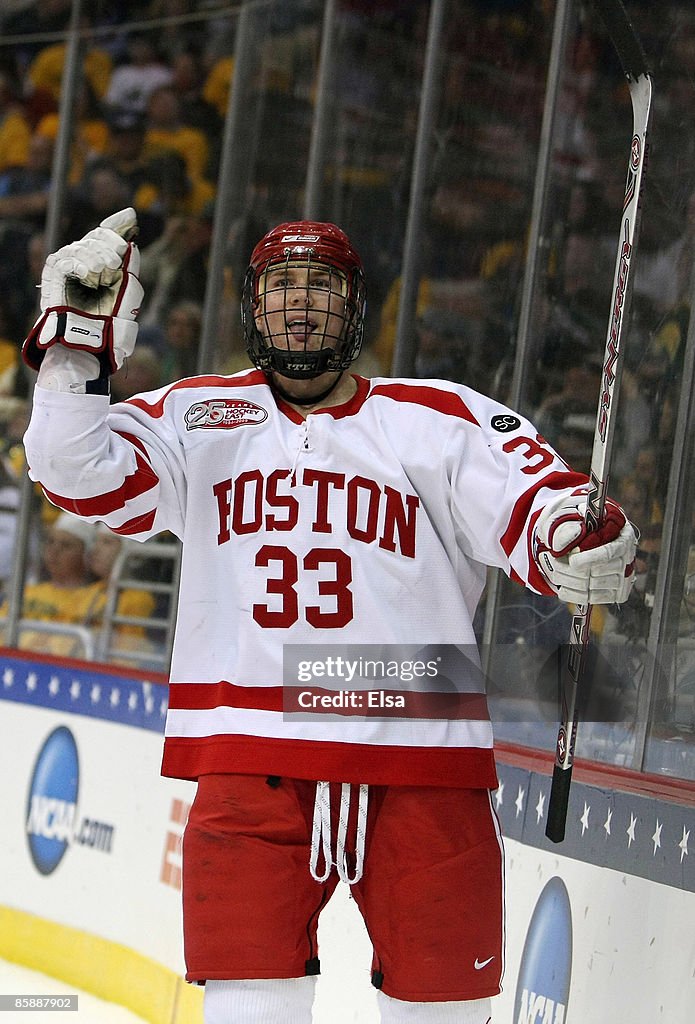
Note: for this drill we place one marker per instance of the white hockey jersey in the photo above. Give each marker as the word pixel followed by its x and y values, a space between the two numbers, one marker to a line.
pixel 365 527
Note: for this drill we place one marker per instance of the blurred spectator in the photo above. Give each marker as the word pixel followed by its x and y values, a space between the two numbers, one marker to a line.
pixel 168 190
pixel 160 263
pixel 131 602
pixel 217 85
pixel 167 131
pixel 178 268
pixel 686 625
pixel 9 501
pixel 15 130
pixel 24 196
pixel 24 190
pixel 133 82
pixel 174 38
pixel 126 145
pixel 90 132
pixel 9 352
pixel 141 372
pixel 64 594
pixel 566 417
pixel 187 82
pixel 385 341
pixel 647 478
pixel 34 20
pixel 636 501
pixel 181 338
pixel 44 76
pixel 661 369
pixel 664 276
pixel 102 190
pixel 444 345
pixel 634 426
pixel 21 264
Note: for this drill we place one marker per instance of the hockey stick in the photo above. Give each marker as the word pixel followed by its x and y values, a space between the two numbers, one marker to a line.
pixel 633 60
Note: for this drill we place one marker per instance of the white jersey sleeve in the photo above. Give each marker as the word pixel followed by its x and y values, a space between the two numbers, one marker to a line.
pixel 108 463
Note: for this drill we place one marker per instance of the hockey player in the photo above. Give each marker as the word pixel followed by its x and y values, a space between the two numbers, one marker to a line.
pixel 318 511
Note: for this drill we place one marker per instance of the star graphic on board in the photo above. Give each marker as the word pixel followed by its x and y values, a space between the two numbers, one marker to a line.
pixel 75 689
pixel 683 845
pixel 519 802
pixel 32 681
pixel 585 817
pixel 95 694
pixel 498 795
pixel 115 698
pixel 607 822
pixel 8 678
pixel 54 686
pixel 630 830
pixel 540 807
pixel 656 838
pixel 163 707
pixel 132 700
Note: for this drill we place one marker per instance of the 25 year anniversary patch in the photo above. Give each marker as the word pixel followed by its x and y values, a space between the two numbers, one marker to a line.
pixel 223 414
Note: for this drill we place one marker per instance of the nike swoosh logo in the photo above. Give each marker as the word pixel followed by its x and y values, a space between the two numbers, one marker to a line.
pixel 479 965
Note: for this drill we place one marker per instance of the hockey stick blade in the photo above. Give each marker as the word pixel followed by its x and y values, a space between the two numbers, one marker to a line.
pixel 634 63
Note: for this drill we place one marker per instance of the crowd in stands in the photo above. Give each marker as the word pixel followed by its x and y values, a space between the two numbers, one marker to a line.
pixel 153 94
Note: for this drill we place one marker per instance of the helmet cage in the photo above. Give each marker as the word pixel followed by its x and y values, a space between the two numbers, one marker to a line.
pixel 310 248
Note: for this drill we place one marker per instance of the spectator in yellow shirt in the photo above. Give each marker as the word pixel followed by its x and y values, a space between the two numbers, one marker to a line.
pixel 166 130
pixel 15 131
pixel 64 596
pixel 135 603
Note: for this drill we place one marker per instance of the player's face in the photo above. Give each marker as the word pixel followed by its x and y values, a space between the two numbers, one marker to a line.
pixel 302 306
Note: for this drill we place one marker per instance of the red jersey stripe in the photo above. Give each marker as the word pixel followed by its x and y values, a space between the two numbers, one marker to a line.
pixel 142 480
pixel 140 524
pixel 288 699
pixel 204 696
pixel 432 398
pixel 522 509
pixel 535 576
pixel 156 409
pixel 464 767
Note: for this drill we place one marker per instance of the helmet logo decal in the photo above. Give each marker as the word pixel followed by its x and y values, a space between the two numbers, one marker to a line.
pixel 300 238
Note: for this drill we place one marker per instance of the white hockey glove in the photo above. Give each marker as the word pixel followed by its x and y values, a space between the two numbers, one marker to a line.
pixel 585 567
pixel 90 299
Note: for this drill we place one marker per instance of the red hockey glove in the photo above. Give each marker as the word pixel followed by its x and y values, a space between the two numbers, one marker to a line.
pixel 585 567
pixel 90 297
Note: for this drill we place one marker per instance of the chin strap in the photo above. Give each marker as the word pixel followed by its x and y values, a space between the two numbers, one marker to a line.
pixel 314 400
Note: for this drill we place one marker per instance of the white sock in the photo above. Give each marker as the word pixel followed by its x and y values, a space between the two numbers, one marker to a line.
pixel 259 1001
pixel 398 1011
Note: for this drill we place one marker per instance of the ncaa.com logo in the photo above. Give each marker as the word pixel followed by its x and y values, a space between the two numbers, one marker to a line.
pixel 542 990
pixel 52 820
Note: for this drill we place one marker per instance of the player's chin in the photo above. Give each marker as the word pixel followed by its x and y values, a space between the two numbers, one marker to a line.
pixel 305 388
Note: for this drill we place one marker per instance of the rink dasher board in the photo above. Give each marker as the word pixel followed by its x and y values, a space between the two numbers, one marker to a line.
pixel 627 868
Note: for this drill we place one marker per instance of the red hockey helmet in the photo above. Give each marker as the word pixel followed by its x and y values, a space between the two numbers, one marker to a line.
pixel 305 246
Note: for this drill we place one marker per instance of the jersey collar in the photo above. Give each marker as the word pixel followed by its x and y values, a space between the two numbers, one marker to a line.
pixel 349 408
